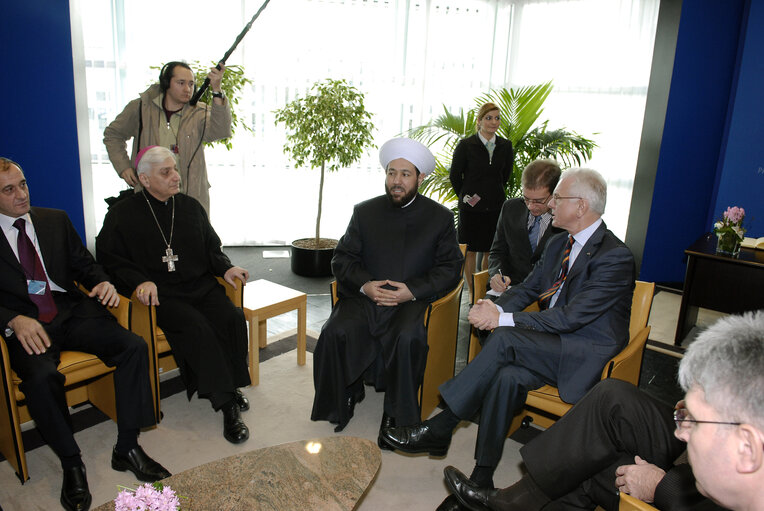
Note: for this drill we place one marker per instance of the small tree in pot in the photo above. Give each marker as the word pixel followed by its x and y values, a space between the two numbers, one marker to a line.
pixel 328 128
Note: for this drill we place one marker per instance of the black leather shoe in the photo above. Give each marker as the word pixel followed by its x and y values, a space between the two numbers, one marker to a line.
pixel 414 439
pixel 139 463
pixel 241 400
pixel 466 491
pixel 75 495
pixel 387 422
pixel 450 504
pixel 234 429
pixel 349 409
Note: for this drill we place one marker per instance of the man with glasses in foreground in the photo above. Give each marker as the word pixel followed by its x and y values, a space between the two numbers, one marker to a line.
pixel 618 439
pixel 524 227
pixel 583 284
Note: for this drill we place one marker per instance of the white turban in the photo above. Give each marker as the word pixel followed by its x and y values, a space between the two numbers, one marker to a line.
pixel 411 150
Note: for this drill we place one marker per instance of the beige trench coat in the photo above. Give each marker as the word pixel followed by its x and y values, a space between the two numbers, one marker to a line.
pixel 198 124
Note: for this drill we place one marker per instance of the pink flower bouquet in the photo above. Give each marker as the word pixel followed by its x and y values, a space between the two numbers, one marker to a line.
pixel 147 497
pixel 729 231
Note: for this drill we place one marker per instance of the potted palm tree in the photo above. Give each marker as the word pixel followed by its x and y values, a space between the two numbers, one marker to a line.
pixel 520 111
pixel 329 128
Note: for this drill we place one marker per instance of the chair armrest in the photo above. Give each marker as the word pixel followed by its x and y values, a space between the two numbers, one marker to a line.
pixel 333 292
pixel 236 295
pixel 627 364
pixel 629 503
pixel 444 306
pixel 121 311
pixel 480 285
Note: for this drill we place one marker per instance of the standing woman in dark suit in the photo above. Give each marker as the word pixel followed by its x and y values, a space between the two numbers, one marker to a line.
pixel 480 170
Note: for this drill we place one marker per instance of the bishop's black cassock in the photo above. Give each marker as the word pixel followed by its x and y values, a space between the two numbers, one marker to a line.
pixel 208 335
pixel 415 245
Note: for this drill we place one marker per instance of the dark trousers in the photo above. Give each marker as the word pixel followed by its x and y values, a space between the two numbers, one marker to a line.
pixel 496 383
pixel 574 461
pixel 208 336
pixel 43 385
pixel 388 345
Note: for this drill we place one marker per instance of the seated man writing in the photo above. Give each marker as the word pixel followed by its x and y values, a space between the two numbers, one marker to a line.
pixel 618 439
pixel 524 227
pixel 42 314
pixel 583 283
pixel 399 254
pixel 160 244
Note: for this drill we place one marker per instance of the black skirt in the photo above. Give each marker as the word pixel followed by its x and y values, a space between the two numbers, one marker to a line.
pixel 476 229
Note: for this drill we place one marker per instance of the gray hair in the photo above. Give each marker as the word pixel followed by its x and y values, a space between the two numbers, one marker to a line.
pixel 590 185
pixel 726 361
pixel 152 157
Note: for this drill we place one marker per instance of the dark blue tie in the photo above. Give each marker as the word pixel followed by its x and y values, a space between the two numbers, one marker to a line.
pixel 533 233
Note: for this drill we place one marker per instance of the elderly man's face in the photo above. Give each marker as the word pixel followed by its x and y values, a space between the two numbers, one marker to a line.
pixel 163 181
pixel 401 182
pixel 565 207
pixel 14 195
pixel 710 449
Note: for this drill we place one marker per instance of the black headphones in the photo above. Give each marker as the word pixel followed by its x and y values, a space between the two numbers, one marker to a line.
pixel 165 75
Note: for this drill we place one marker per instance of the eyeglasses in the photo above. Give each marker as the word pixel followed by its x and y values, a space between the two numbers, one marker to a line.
pixel 684 420
pixel 558 198
pixel 528 201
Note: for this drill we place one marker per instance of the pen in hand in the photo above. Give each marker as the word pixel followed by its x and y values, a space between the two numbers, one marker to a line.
pixel 503 280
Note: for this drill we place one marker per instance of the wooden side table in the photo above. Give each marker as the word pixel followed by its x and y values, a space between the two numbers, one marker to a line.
pixel 264 299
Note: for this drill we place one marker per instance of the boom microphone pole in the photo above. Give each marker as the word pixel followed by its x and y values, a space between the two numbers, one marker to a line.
pixel 206 83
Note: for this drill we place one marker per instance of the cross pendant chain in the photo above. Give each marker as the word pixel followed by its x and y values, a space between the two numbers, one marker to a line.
pixel 170 259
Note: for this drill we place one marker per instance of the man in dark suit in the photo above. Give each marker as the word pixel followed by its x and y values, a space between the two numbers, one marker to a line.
pixel 399 254
pixel 616 438
pixel 524 227
pixel 42 313
pixel 584 283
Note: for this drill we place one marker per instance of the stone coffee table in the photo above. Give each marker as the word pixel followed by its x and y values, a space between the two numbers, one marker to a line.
pixel 321 474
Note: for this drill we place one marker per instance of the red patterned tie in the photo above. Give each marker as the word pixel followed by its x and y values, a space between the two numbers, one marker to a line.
pixel 33 269
pixel 546 296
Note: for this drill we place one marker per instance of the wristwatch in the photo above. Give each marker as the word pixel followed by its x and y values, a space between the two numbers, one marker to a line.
pixel 8 332
pixel 218 95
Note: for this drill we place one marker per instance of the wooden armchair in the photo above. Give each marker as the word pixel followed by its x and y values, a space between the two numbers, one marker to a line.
pixel 544 405
pixel 144 323
pixel 441 320
pixel 87 379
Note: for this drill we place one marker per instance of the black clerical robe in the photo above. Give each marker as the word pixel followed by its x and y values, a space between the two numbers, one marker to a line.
pixel 207 333
pixel 415 245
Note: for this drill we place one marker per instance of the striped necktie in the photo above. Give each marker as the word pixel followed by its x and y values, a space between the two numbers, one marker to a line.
pixel 546 296
pixel 32 265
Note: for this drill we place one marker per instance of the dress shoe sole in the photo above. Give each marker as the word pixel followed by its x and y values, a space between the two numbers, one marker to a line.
pixel 383 445
pixel 86 503
pixel 438 452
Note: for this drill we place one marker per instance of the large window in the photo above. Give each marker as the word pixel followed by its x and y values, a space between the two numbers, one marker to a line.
pixel 409 57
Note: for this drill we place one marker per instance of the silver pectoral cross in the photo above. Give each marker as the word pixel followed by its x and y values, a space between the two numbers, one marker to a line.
pixel 170 259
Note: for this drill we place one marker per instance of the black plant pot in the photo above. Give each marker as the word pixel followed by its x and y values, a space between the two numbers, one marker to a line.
pixel 311 262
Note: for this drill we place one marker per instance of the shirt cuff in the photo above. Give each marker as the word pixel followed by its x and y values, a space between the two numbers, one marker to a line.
pixel 505 318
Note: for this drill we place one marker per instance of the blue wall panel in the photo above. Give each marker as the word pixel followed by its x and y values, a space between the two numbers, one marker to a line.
pixel 39 128
pixel 741 180
pixel 704 67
